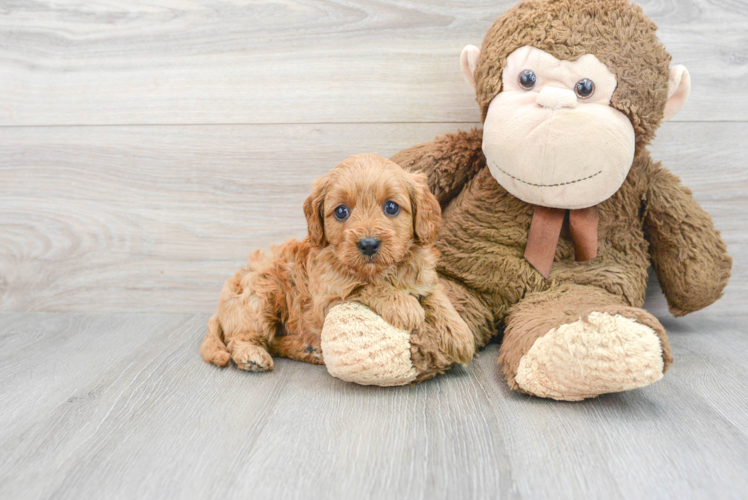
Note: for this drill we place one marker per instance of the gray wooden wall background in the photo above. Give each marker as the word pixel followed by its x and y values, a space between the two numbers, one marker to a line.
pixel 147 147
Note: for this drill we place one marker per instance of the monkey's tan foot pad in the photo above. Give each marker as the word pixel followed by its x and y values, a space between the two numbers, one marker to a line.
pixel 359 346
pixel 600 354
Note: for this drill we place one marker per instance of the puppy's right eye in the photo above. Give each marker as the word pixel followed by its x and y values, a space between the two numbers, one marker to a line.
pixel 341 213
pixel 391 208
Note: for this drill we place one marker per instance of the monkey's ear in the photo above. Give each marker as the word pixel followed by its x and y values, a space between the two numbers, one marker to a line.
pixel 469 61
pixel 313 207
pixel 678 88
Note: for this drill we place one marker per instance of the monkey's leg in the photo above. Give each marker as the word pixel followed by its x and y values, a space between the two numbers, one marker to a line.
pixel 574 342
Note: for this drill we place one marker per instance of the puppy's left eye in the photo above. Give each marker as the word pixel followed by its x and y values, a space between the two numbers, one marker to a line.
pixel 391 208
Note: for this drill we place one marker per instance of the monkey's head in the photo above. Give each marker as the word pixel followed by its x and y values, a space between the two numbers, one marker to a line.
pixel 568 89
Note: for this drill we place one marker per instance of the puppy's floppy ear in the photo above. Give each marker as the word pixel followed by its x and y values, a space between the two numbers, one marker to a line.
pixel 313 208
pixel 427 214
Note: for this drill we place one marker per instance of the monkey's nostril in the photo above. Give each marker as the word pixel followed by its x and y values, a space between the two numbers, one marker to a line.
pixel 369 246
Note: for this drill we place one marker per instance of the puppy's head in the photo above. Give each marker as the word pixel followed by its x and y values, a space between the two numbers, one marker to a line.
pixel 371 213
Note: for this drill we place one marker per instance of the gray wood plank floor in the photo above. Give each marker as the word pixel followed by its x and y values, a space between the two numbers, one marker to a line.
pixel 121 406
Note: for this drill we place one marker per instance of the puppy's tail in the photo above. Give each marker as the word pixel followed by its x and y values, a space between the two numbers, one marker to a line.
pixel 213 349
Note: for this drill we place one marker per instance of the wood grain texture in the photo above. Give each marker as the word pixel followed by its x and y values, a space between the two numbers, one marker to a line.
pixel 157 218
pixel 294 61
pixel 121 406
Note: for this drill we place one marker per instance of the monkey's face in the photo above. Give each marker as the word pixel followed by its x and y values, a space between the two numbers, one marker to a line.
pixel 551 137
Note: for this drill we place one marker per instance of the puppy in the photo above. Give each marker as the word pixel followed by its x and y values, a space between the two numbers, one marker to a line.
pixel 371 230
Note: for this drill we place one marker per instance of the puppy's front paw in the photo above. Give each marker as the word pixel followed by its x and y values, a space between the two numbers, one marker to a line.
pixel 251 357
pixel 405 316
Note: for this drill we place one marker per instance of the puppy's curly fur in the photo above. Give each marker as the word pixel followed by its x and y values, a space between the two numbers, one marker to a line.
pixel 277 304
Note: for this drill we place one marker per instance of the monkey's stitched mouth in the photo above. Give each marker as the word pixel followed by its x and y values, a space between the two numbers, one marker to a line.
pixel 545 185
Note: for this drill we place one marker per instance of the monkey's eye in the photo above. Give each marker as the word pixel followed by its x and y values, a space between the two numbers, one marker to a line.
pixel 341 213
pixel 527 79
pixel 391 208
pixel 584 88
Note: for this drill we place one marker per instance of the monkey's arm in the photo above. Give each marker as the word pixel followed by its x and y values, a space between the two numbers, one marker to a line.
pixel 688 254
pixel 448 161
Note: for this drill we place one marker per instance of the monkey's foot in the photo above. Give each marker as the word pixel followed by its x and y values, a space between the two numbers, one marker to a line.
pixel 598 354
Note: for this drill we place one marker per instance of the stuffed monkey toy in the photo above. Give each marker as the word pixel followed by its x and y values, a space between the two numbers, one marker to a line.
pixel 554 210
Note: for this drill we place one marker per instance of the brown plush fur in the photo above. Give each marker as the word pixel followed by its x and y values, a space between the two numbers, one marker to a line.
pixel 278 304
pixel 651 219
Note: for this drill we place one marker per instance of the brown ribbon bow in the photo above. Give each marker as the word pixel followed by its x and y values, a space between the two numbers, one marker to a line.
pixel 546 228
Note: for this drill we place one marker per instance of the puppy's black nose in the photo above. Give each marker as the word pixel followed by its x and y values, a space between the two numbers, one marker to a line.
pixel 369 246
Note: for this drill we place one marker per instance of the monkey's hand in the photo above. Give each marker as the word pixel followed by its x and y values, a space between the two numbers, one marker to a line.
pixel 448 162
pixel 688 254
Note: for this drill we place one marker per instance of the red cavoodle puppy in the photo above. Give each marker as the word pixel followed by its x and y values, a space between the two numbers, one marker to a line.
pixel 371 231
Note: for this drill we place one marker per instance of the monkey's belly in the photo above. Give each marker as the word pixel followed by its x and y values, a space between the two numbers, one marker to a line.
pixel 484 235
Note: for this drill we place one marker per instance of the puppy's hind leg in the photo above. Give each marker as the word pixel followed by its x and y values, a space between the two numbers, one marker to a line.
pixel 213 350
pixel 248 314
pixel 247 336
pixel 242 348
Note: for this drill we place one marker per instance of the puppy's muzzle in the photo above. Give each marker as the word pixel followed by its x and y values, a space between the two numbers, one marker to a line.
pixel 369 246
